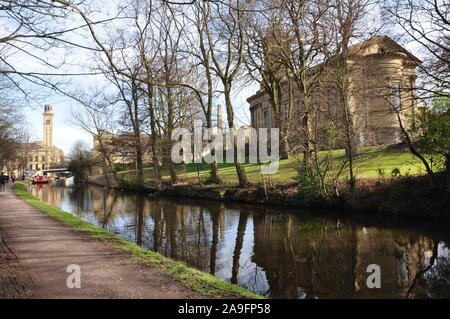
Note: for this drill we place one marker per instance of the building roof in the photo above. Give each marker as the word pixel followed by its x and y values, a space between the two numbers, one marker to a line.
pixel 34 146
pixel 392 47
pixel 38 146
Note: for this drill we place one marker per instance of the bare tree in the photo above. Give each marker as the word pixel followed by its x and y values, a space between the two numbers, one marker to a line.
pixel 264 42
pixel 98 121
pixel 80 160
pixel 346 19
pixel 425 23
pixel 36 30
pixel 224 31
pixel 202 55
pixel 9 136
pixel 304 27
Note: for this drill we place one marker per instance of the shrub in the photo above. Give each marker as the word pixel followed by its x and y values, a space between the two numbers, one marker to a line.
pixel 309 189
pixel 396 172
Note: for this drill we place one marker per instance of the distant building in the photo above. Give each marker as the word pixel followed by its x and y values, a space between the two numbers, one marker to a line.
pixel 120 147
pixel 41 155
pixel 382 79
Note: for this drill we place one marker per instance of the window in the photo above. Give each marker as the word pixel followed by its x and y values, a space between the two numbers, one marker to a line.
pixel 332 101
pixel 47 122
pixel 36 159
pixel 266 119
pixel 31 158
pixel 43 166
pixel 43 158
pixel 396 98
pixel 255 115
pixel 31 167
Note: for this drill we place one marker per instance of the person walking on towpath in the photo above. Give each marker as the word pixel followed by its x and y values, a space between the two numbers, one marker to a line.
pixel 2 181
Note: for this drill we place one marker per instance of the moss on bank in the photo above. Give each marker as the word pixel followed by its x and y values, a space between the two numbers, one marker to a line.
pixel 203 283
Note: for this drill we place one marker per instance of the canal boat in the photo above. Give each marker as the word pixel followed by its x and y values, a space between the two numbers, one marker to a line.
pixel 41 180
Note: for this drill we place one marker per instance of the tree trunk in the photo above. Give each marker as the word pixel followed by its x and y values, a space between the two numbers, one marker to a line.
pixel 134 116
pixel 215 173
pixel 139 162
pixel 155 157
pixel 447 166
pixel 170 126
pixel 242 176
pixel 214 166
pixel 277 107
pixel 307 149
pixel 284 144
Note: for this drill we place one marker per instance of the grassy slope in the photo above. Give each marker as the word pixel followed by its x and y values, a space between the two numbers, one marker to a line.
pixel 201 282
pixel 368 164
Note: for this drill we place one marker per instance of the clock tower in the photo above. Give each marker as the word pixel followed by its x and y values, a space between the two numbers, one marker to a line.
pixel 48 127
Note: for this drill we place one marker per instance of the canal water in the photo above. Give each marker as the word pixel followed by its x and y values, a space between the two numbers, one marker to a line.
pixel 276 252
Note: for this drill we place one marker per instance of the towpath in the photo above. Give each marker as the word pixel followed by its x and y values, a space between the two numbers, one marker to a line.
pixel 36 249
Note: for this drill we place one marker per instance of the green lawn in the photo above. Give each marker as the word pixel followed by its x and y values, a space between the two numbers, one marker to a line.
pixel 369 163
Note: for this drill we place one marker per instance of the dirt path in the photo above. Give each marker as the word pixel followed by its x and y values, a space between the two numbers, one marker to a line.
pixel 36 249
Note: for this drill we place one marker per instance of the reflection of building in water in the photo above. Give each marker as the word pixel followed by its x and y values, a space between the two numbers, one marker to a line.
pixel 53 197
pixel 329 259
pixel 305 255
pixel 400 257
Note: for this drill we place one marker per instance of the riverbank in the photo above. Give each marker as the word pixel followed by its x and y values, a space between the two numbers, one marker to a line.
pixel 393 196
pixel 46 240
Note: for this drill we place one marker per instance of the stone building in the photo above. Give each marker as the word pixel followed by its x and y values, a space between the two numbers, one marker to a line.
pixel 382 76
pixel 40 155
pixel 120 147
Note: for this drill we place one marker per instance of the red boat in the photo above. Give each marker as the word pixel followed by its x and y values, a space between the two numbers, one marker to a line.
pixel 41 180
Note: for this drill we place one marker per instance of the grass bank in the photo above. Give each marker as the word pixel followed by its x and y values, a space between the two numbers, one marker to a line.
pixel 371 162
pixel 203 283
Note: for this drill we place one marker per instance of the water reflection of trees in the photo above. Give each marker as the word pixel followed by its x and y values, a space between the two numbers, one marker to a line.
pixel 285 255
